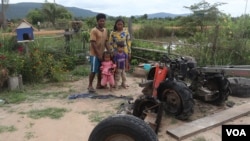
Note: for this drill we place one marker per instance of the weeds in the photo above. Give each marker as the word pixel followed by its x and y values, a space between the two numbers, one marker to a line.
pixel 7 129
pixel 33 93
pixel 97 116
pixel 14 96
pixel 53 113
pixel 199 139
pixel 81 70
pixel 29 135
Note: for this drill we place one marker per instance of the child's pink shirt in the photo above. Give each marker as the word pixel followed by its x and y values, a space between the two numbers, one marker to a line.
pixel 106 66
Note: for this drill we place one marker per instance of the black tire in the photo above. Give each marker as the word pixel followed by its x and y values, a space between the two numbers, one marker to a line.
pixel 223 86
pixel 240 86
pixel 177 98
pixel 145 102
pixel 142 103
pixel 151 74
pixel 122 127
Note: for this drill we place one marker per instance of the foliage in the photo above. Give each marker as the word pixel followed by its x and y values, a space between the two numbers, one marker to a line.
pixel 53 11
pixel 35 16
pixel 85 35
pixel 13 62
pixel 151 31
pixel 143 55
pixel 203 12
pixel 40 60
pixel 81 70
pixel 42 64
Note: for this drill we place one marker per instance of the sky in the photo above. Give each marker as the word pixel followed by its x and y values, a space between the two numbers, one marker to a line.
pixel 129 8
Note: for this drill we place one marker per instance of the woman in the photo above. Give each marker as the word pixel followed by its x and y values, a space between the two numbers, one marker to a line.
pixel 120 34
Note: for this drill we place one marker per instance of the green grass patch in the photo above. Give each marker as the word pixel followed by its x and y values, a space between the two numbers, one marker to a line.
pixel 16 97
pixel 13 96
pixel 97 116
pixel 7 129
pixel 81 70
pixel 199 139
pixel 34 93
pixel 53 113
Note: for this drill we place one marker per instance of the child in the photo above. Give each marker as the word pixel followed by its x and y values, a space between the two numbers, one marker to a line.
pixel 121 61
pixel 108 69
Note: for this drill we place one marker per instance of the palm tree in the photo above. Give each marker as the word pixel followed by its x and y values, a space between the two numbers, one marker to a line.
pixel 53 11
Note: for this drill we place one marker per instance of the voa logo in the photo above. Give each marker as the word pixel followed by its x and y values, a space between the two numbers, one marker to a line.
pixel 236 132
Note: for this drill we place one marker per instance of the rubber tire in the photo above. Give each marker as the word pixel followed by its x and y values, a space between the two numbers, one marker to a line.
pixel 185 94
pixel 151 74
pixel 127 125
pixel 224 90
pixel 240 86
pixel 140 104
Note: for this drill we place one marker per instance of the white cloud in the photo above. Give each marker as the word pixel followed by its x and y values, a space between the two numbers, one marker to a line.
pixel 140 7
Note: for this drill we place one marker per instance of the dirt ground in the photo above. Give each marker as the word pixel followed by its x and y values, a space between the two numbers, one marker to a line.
pixel 83 114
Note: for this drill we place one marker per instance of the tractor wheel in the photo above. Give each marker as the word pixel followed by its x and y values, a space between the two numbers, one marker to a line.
pixel 224 91
pixel 177 98
pixel 145 104
pixel 222 88
pixel 240 86
pixel 151 74
pixel 122 128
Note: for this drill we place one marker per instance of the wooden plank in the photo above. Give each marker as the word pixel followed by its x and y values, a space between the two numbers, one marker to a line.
pixel 205 123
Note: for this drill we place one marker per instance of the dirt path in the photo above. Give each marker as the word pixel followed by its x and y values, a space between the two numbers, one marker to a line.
pixel 84 113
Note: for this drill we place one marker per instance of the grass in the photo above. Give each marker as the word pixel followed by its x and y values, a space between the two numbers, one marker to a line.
pixel 81 70
pixel 34 92
pixel 97 116
pixel 7 129
pixel 13 96
pixel 29 135
pixel 53 113
pixel 199 139
pixel 16 97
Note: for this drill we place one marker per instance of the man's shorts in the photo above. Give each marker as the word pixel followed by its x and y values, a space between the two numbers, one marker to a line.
pixel 95 64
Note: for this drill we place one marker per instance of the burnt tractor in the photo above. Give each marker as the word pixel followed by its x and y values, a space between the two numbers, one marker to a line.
pixel 171 86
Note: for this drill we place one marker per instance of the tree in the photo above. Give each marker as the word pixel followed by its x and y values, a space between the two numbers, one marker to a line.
pixel 203 13
pixel 53 11
pixel 145 16
pixel 35 16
